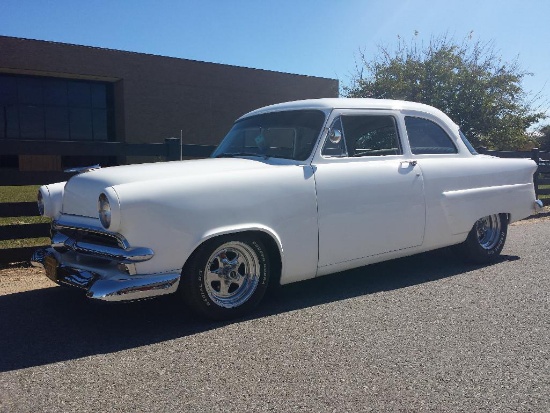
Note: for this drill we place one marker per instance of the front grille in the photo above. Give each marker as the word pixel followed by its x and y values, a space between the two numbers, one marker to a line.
pixel 91 236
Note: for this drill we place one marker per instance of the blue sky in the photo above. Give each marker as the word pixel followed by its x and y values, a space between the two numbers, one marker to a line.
pixel 309 37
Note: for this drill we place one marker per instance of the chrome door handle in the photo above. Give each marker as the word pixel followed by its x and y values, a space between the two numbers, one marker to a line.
pixel 410 162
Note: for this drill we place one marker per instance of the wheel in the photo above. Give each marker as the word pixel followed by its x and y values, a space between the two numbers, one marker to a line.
pixel 485 240
pixel 226 277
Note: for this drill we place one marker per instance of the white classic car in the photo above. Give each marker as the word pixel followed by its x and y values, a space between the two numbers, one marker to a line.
pixel 294 191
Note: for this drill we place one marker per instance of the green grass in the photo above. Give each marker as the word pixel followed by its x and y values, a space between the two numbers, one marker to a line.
pixel 544 196
pixel 21 194
pixel 18 193
pixel 23 220
pixel 31 242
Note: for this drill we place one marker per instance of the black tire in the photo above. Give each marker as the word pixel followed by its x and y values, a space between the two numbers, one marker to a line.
pixel 485 240
pixel 226 277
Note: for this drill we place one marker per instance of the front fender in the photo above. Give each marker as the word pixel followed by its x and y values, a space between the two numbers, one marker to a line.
pixel 174 217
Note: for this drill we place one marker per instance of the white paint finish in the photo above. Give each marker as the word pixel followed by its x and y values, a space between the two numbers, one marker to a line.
pixel 328 105
pixel 445 175
pixel 82 191
pixel 52 196
pixel 368 206
pixel 466 205
pixel 325 214
pixel 176 215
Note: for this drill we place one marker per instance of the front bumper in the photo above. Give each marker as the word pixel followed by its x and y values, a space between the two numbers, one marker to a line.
pixel 102 279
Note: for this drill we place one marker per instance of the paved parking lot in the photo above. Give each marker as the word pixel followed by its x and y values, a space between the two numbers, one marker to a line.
pixel 424 333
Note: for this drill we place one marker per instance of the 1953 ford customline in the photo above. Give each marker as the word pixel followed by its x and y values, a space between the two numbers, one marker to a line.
pixel 294 191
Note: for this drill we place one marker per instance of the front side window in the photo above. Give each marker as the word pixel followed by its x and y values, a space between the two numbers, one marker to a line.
pixel 335 145
pixel 427 137
pixel 287 134
pixel 363 135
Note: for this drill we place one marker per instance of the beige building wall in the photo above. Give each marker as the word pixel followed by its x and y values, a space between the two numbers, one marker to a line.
pixel 155 97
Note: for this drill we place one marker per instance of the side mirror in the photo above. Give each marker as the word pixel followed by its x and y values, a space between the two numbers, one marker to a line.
pixel 335 136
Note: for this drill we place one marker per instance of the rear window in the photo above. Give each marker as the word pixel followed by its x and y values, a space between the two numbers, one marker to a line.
pixel 427 137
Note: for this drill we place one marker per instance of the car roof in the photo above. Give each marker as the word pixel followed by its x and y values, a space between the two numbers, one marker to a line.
pixel 347 103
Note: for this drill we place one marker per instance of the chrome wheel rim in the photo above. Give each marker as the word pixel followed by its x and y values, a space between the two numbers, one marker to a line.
pixel 232 274
pixel 488 231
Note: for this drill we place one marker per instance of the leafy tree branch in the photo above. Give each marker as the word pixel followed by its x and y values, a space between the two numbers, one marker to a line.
pixel 469 81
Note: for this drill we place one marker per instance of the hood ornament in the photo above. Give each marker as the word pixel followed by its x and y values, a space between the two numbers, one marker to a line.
pixel 82 169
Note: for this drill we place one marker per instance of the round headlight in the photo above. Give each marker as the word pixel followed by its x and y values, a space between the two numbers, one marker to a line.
pixel 40 202
pixel 50 199
pixel 104 209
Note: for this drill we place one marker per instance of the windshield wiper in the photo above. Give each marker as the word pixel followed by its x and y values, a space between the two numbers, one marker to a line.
pixel 237 154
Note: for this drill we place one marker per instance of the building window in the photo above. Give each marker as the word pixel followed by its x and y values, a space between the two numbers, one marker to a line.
pixel 42 108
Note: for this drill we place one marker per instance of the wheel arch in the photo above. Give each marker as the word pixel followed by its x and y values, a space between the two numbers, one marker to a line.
pixel 484 247
pixel 506 215
pixel 267 236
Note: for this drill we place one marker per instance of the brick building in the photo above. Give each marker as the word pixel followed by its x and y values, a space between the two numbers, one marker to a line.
pixel 60 92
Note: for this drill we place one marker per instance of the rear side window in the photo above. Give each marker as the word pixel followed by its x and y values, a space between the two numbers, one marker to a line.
pixel 427 137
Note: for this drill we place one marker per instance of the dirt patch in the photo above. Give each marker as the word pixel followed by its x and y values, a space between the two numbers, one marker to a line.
pixel 17 279
pixel 543 215
pixel 532 220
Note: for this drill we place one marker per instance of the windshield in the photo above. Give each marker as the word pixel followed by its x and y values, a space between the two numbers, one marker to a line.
pixel 289 134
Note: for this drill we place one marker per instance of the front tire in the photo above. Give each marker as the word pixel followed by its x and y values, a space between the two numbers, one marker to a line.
pixel 226 277
pixel 485 240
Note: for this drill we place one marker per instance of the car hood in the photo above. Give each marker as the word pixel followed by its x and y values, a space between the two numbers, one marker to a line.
pixel 82 191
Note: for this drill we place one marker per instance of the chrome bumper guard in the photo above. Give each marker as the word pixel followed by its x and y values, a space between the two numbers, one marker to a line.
pixel 102 263
pixel 122 252
pixel 539 205
pixel 119 286
pixel 127 255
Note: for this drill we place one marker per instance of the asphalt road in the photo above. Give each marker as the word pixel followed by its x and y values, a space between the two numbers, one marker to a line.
pixel 425 333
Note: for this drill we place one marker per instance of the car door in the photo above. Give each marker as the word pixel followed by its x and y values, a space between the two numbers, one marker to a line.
pixel 370 195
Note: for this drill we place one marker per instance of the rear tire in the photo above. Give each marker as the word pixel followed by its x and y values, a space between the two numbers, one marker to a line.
pixel 485 240
pixel 226 277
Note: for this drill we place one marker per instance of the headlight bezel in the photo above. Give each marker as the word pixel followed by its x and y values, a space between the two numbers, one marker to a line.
pixel 104 210
pixel 108 209
pixel 50 199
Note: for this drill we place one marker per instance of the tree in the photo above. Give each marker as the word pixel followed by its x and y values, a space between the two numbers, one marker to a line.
pixel 544 138
pixel 467 81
